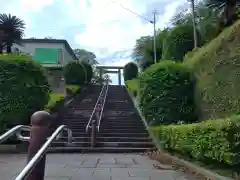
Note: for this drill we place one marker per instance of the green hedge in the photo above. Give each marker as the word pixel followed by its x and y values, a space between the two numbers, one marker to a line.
pixel 133 86
pixel 209 141
pixel 75 73
pixel 24 89
pixel 166 93
pixel 89 71
pixel 130 71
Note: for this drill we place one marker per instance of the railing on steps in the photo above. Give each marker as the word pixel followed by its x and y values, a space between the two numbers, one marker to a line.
pixel 94 122
pixel 39 143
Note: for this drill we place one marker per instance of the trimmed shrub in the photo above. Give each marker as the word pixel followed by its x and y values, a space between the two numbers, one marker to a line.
pixel 133 86
pixel 24 89
pixel 75 73
pixel 89 71
pixel 55 101
pixel 208 141
pixel 130 71
pixel 166 93
pixel 217 67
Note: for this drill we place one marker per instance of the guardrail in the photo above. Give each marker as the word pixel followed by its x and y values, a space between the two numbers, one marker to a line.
pixel 97 113
pixel 40 140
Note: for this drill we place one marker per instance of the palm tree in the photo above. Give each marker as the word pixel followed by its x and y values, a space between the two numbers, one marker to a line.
pixel 13 29
pixel 228 9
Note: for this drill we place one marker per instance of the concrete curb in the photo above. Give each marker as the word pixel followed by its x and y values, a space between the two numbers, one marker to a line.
pixel 181 162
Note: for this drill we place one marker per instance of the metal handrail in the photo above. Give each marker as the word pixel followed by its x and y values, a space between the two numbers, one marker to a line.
pixel 13 131
pixel 95 107
pixel 33 162
pixel 100 118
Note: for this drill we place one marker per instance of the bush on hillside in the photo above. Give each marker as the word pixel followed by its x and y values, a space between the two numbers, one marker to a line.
pixel 24 89
pixel 208 141
pixel 130 71
pixel 178 42
pixel 133 86
pixel 166 93
pixel 75 73
pixel 89 71
pixel 216 67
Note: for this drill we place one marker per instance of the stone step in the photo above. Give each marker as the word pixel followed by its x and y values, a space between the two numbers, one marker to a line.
pixel 105 144
pixel 111 134
pixel 98 149
pixel 110 139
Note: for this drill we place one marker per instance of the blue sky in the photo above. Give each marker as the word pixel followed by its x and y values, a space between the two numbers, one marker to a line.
pixel 100 26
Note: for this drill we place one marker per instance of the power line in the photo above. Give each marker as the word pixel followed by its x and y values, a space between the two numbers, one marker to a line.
pixel 132 11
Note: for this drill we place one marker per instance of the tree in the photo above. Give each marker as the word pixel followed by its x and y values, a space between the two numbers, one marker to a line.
pixel 13 29
pixel 206 22
pixel 179 41
pixel 228 10
pixel 96 76
pixel 86 56
pixel 143 52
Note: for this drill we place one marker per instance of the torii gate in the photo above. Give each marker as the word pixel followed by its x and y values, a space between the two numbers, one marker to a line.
pixel 107 68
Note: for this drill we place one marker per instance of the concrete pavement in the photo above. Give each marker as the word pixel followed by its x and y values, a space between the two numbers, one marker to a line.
pixel 92 167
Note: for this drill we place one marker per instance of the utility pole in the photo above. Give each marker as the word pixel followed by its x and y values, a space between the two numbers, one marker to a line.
pixel 194 24
pixel 154 36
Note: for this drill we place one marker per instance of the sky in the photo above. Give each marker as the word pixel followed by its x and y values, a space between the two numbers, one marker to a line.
pixel 103 27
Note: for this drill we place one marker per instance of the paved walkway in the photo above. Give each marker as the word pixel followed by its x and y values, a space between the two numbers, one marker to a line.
pixel 92 167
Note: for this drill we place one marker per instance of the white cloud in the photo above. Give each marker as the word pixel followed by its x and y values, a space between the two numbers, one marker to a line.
pixel 104 27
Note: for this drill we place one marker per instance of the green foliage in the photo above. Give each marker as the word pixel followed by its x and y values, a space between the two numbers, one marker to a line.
pixel 13 30
pixel 209 141
pixel 166 93
pixel 86 56
pixel 216 67
pixel 75 73
pixel 207 21
pixel 73 88
pixel 130 71
pixel 133 86
pixel 55 101
pixel 143 52
pixel 23 89
pixel 89 71
pixel 179 41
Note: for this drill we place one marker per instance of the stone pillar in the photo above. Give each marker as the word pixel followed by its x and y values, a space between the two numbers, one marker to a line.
pixel 119 76
pixel 40 130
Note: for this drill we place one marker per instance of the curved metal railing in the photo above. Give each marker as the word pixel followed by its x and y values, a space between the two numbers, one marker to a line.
pixel 98 106
pixel 15 130
pixel 33 162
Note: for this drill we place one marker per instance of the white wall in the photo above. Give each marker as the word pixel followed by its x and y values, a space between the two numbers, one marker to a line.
pixel 30 48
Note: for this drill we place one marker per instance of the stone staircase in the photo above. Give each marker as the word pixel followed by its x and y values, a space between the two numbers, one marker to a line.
pixel 121 128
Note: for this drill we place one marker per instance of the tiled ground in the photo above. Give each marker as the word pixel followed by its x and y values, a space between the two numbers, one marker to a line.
pixel 92 167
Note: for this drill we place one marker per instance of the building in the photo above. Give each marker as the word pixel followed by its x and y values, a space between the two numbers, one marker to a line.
pixel 48 52
pixel 52 54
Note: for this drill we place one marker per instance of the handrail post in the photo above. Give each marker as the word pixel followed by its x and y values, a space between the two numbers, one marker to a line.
pixel 40 130
pixel 93 135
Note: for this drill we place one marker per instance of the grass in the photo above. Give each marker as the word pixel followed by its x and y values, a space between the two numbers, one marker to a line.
pixel 72 88
pixel 133 86
pixel 217 67
pixel 54 100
